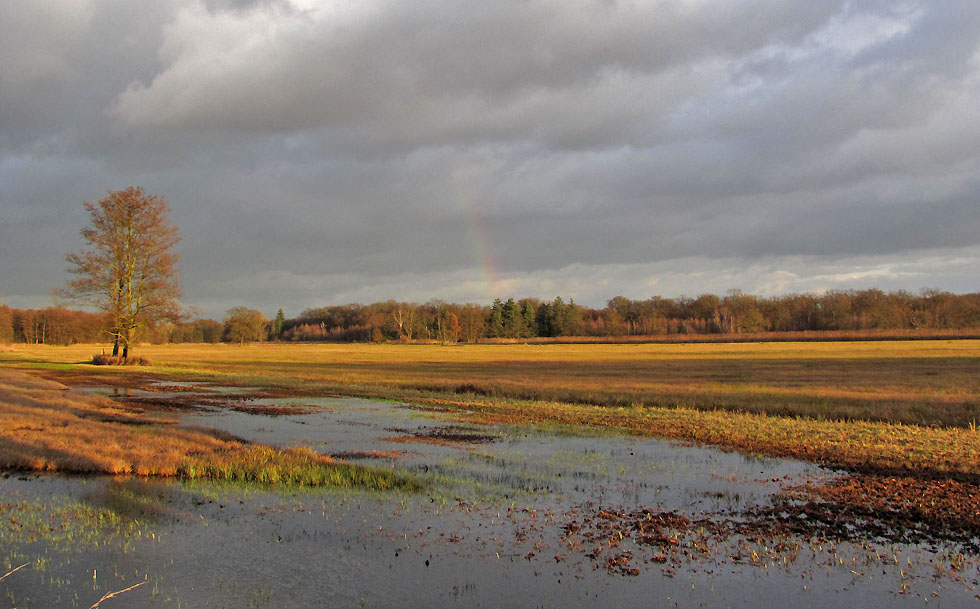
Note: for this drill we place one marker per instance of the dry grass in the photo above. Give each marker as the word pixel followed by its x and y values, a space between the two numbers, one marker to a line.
pixel 923 382
pixel 854 445
pixel 904 405
pixel 46 427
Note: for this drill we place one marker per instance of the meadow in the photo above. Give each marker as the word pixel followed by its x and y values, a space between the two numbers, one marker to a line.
pixel 885 405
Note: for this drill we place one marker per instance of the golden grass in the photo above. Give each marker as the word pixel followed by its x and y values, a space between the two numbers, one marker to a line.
pixel 933 382
pixel 905 405
pixel 855 445
pixel 46 427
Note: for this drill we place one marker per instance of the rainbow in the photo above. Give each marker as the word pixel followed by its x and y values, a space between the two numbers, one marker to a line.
pixel 478 237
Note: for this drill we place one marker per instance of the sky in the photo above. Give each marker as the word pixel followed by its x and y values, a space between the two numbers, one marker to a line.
pixel 329 152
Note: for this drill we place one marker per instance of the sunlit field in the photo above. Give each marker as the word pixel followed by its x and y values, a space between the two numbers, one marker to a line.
pixel 45 428
pixel 897 404
pixel 920 382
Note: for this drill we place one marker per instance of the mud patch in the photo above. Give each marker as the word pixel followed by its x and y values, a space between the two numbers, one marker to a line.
pixel 622 541
pixel 425 408
pixel 164 387
pixel 896 509
pixel 855 508
pixel 125 420
pixel 177 403
pixel 272 411
pixel 191 402
pixel 354 455
pixel 444 436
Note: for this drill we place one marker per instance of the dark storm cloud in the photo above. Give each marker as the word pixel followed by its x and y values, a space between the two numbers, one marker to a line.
pixel 317 152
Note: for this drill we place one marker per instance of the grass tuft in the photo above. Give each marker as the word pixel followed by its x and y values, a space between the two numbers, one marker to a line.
pixel 298 466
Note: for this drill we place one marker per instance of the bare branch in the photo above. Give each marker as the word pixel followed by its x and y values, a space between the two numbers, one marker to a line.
pixel 109 595
pixel 12 571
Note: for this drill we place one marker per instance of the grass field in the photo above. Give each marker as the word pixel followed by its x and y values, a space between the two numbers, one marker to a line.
pixel 899 405
pixel 915 382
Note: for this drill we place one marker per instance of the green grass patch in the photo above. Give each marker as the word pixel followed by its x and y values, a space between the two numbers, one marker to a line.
pixel 300 467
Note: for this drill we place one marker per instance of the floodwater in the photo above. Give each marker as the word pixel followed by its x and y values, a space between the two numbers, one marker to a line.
pixel 515 517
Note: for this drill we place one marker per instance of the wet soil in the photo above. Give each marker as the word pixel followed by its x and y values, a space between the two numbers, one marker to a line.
pixel 853 508
pixel 444 436
pixel 354 455
pixel 896 509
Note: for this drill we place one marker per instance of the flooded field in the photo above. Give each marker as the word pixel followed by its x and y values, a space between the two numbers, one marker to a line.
pixel 513 516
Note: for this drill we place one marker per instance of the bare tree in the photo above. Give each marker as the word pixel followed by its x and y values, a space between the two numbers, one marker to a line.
pixel 405 317
pixel 129 270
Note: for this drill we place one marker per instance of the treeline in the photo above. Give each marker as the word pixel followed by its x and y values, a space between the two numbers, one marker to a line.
pixel 51 326
pixel 732 314
pixel 61 326
pixel 735 313
pixel 435 320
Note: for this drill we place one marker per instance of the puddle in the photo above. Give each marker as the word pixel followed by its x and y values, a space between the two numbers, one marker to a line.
pixel 115 392
pixel 517 517
pixel 508 462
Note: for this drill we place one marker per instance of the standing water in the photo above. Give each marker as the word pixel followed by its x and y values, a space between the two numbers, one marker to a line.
pixel 513 517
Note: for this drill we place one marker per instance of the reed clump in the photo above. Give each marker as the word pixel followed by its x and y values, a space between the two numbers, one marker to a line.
pixel 296 466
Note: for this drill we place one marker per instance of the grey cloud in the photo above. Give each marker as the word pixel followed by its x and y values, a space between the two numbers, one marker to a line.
pixel 385 149
pixel 429 73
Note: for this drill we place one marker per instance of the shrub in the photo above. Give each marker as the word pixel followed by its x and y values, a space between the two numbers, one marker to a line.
pixel 110 360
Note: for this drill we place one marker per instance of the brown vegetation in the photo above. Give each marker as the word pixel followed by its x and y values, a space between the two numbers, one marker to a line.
pixel 110 360
pixel 921 382
pixel 850 508
pixel 868 405
pixel 46 427
pixel 845 405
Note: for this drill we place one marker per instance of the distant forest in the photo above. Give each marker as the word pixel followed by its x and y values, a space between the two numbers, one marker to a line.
pixel 528 318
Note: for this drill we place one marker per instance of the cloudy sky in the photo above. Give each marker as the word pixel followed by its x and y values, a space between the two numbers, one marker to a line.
pixel 327 152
